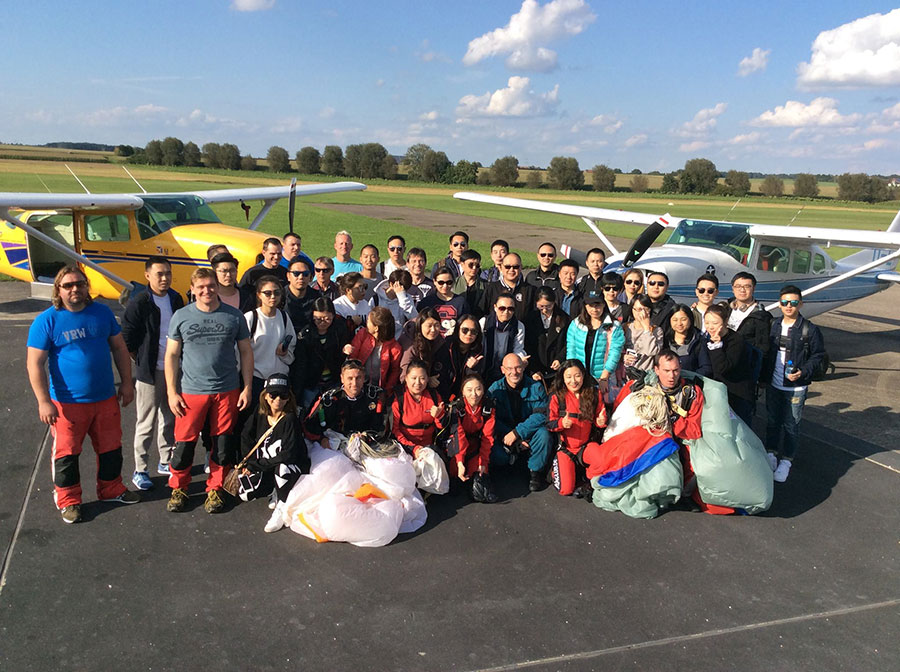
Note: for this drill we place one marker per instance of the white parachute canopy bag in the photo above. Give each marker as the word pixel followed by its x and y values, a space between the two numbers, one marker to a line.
pixel 431 472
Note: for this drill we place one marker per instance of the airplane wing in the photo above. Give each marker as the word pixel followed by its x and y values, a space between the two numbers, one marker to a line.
pixel 41 201
pixel 274 193
pixel 849 237
pixel 585 212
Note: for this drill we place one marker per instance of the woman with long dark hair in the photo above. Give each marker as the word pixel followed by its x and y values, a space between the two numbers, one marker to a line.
pixel 421 340
pixel 545 336
pixel 686 341
pixel 378 350
pixel 596 341
pixel 730 363
pixel 642 340
pixel 465 356
pixel 319 354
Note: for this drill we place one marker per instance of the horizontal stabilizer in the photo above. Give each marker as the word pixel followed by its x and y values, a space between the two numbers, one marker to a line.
pixel 889 277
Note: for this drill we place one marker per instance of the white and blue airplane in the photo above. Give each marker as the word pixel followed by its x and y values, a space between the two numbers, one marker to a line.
pixel 775 255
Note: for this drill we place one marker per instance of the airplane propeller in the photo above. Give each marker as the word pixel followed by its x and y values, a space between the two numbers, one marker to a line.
pixel 643 242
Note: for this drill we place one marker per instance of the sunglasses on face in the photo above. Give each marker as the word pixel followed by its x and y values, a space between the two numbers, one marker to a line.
pixel 790 302
pixel 510 267
pixel 269 293
pixel 546 306
pixel 505 309
pixel 655 283
pixel 610 288
pixel 324 270
pixel 80 284
pixel 632 282
pixel 299 274
pixel 460 243
pixel 226 271
pixel 279 395
pixel 546 255
pixel 327 318
pixel 396 248
pixel 443 282
pixel 705 290
pixel 467 330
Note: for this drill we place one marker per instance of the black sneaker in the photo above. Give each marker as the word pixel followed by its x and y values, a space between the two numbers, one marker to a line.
pixel 127 497
pixel 536 481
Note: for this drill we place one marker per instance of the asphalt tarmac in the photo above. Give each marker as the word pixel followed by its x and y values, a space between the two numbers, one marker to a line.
pixel 536 582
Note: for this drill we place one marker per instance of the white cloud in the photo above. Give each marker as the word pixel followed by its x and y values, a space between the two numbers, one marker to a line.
pixel 326 112
pixel 703 122
pixel 694 146
pixel 120 115
pixel 516 100
pixel 608 122
pixel 429 55
pixel 892 112
pixel 819 112
pixel 431 115
pixel 379 83
pixel 864 52
pixel 252 5
pixel 287 125
pixel 758 60
pixel 522 39
pixel 877 143
pixel 636 140
pixel 200 119
pixel 745 138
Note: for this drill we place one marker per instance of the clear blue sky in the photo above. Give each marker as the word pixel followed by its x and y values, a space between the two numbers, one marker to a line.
pixel 760 86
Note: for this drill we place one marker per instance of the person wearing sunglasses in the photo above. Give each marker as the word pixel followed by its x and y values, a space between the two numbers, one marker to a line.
pixel 72 341
pixel 323 269
pixel 611 287
pixel 319 353
pixel 470 283
pixel 466 356
pixel 750 320
pixel 299 297
pixel 568 293
pixel 511 281
pixel 291 248
pixel 270 265
pixel 596 340
pixel 503 334
pixel 342 262
pixel 594 260
pixel 632 285
pixel 459 243
pixel 545 275
pixel 707 289
pixel 449 306
pixel 352 304
pixel 281 458
pixel 545 336
pixel 396 246
pixel 663 304
pixel 796 351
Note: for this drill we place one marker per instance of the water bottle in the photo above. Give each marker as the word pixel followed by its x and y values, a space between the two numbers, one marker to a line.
pixel 789 368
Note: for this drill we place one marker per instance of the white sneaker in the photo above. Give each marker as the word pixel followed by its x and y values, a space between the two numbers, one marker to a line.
pixel 782 471
pixel 272 501
pixel 276 522
pixel 772 460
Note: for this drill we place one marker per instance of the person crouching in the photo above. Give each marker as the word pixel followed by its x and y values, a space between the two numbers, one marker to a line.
pixel 471 439
pixel 280 456
pixel 577 411
pixel 417 411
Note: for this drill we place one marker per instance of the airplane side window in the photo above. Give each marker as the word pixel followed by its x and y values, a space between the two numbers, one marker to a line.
pixel 801 261
pixel 819 265
pixel 773 258
pixel 108 228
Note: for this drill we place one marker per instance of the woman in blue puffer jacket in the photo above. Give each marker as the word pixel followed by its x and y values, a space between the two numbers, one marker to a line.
pixel 595 341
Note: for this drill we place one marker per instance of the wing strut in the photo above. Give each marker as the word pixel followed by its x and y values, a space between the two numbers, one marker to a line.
pixel 65 249
pixel 845 276
pixel 596 229
pixel 261 215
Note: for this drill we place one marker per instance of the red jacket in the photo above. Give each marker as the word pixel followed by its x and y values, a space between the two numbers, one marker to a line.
pixel 415 426
pixel 363 344
pixel 475 433
pixel 580 432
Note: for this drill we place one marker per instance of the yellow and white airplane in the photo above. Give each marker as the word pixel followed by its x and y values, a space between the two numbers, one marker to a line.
pixel 111 235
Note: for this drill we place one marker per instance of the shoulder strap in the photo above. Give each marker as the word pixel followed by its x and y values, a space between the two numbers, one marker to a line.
pixel 253 322
pixel 259 442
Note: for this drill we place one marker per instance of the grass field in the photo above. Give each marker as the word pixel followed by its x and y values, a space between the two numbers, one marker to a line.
pixel 318 225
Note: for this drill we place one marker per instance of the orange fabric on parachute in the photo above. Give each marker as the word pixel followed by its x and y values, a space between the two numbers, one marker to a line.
pixel 368 491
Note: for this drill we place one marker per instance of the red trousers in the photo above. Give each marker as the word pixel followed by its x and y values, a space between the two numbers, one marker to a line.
pixel 220 410
pixel 101 421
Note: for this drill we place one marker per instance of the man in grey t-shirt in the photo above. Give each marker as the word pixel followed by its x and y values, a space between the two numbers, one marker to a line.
pixel 203 385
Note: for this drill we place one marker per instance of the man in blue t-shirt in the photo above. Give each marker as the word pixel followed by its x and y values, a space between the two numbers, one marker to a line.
pixel 343 262
pixel 290 249
pixel 73 340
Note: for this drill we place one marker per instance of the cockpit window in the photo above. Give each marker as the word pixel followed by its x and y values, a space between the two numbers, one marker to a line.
pixel 161 213
pixel 731 238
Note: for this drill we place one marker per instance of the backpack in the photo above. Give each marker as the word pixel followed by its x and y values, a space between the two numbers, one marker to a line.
pixel 822 369
pixel 255 321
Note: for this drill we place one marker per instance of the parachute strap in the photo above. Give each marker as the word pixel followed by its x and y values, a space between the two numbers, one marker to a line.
pixel 651 406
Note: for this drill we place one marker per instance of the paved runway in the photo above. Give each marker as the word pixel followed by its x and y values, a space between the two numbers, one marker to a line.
pixel 535 582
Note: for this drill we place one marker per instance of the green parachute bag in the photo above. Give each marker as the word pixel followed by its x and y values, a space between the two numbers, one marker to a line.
pixel 644 495
pixel 729 459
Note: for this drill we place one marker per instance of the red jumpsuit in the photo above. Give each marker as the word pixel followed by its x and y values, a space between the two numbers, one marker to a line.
pixel 573 439
pixel 475 437
pixel 414 426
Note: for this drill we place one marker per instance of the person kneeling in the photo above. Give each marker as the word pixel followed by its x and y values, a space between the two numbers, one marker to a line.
pixel 471 439
pixel 278 455
pixel 577 411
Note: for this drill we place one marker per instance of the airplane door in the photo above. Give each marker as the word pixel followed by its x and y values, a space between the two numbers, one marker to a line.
pixel 107 238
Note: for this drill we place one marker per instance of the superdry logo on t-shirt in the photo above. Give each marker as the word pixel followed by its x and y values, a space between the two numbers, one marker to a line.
pixel 210 330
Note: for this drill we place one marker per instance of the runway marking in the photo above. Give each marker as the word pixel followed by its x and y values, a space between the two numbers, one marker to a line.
pixel 597 653
pixel 850 452
pixel 7 557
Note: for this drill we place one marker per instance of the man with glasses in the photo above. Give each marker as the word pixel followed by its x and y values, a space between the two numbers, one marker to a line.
pixel 499 249
pixel 144 328
pixel 568 294
pixel 207 384
pixel 595 260
pixel 521 423
pixel 291 249
pixel 470 283
pixel 503 334
pixel 416 262
pixel 270 265
pixel 663 304
pixel 707 290
pixel 396 247
pixel 324 268
pixel 546 274
pixel 459 243
pixel 797 350
pixel 225 267
pixel 299 298
pixel 73 340
pixel 353 407
pixel 368 257
pixel 448 305
pixel 749 318
pixel 511 281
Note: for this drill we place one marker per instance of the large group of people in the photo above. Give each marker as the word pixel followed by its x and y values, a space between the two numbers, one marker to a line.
pixel 489 367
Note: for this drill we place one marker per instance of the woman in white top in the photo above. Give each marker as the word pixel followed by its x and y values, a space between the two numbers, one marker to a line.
pixel 352 305
pixel 396 294
pixel 643 341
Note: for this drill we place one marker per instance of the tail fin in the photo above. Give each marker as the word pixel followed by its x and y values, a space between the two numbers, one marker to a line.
pixel 895 225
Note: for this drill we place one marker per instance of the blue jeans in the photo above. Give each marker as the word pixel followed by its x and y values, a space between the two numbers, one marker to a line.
pixel 540 442
pixel 783 410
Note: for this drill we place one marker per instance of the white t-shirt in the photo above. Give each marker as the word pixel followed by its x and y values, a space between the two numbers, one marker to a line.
pixel 165 316
pixel 389 268
pixel 345 308
pixel 270 332
pixel 738 315
pixel 780 361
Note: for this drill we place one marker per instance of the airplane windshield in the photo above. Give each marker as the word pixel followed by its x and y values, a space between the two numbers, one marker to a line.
pixel 731 238
pixel 161 213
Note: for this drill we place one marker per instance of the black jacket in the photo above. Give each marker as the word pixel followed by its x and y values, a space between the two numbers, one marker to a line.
pixel 285 445
pixel 662 311
pixel 140 329
pixel 300 310
pixel 538 278
pixel 806 357
pixel 756 327
pixel 523 295
pixel 311 357
pixel 544 346
pixel 731 366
